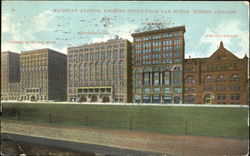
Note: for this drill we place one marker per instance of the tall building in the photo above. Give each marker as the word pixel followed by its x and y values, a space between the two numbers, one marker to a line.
pixel 43 75
pixel 10 75
pixel 158 58
pixel 218 79
pixel 100 72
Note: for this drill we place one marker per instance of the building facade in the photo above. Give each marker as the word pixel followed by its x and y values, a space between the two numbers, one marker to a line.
pixel 100 72
pixel 43 75
pixel 219 79
pixel 10 75
pixel 158 58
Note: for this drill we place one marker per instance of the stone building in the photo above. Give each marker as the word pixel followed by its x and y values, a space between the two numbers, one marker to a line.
pixel 10 75
pixel 218 79
pixel 43 75
pixel 100 72
pixel 158 58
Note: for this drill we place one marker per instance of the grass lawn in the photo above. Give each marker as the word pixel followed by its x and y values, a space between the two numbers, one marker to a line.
pixel 203 121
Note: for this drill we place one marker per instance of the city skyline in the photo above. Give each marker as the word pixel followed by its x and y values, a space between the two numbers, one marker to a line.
pixel 49 26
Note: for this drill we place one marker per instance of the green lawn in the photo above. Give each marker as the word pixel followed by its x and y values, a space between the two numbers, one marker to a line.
pixel 204 121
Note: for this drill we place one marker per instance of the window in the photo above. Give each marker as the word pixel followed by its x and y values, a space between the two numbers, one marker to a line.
pixel 237 97
pixel 167 99
pixel 208 78
pixel 177 90
pixel 166 78
pixel 221 87
pixel 138 90
pixel 167 90
pixel 190 79
pixel 146 90
pixel 221 97
pixel 235 78
pixel 156 90
pixel 167 42
pixel 146 78
pixel 190 89
pixel 221 57
pixel 221 78
pixel 235 87
pixel 177 79
pixel 156 78
pixel 167 35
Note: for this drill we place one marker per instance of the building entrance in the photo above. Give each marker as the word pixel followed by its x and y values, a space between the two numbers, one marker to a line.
pixel 94 98
pixel 33 98
pixel 83 99
pixel 105 99
pixel 208 99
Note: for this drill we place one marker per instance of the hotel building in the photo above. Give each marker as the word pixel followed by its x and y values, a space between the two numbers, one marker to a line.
pixel 10 76
pixel 158 58
pixel 43 75
pixel 100 72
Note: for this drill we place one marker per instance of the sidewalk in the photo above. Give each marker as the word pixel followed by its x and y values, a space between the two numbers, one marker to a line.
pixel 142 141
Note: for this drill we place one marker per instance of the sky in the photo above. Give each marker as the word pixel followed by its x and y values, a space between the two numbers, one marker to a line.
pixel 30 25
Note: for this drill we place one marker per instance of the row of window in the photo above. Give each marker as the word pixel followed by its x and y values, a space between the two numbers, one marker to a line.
pixel 221 67
pixel 100 83
pixel 100 55
pixel 159 49
pixel 158 43
pixel 222 78
pixel 121 45
pixel 33 56
pixel 233 96
pixel 156 37
pixel 148 78
pixel 235 87
pixel 157 56
pixel 158 90
pixel 157 99
pixel 96 64
pixel 165 61
pixel 209 78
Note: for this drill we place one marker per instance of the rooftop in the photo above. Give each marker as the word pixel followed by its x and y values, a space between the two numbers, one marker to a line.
pixel 177 28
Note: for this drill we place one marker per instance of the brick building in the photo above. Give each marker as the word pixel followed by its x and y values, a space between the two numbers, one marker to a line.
pixel 10 75
pixel 43 75
pixel 158 58
pixel 100 72
pixel 218 79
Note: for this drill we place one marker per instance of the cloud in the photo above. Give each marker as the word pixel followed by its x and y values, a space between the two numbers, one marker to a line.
pixel 15 32
pixel 123 31
pixel 43 20
pixel 237 42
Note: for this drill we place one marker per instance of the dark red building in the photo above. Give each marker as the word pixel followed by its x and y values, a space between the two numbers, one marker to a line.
pixel 218 79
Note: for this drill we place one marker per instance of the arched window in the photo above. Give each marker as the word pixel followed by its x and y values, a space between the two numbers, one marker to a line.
pixel 121 64
pixel 235 78
pixel 138 77
pixel 208 78
pixel 177 68
pixel 146 76
pixel 221 78
pixel 156 76
pixel 177 75
pixel 166 77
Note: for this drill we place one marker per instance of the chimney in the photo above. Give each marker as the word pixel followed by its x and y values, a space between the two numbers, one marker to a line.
pixel 221 44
